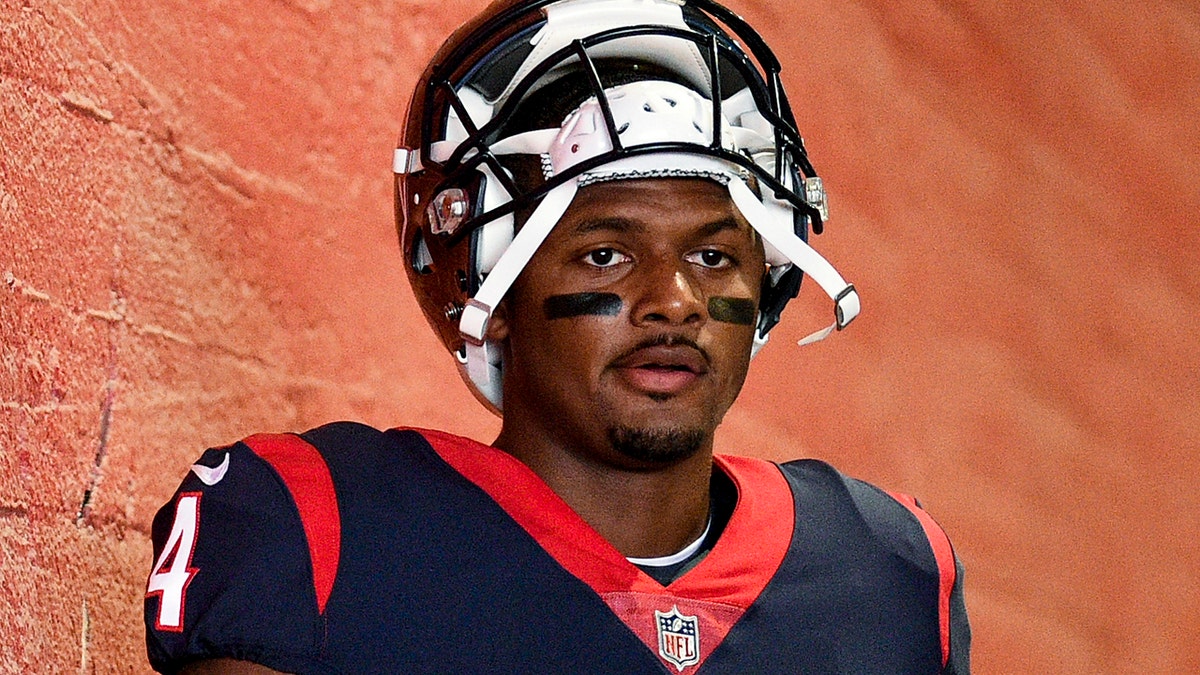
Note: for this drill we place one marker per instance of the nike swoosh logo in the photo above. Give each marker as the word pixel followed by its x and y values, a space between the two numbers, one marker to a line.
pixel 211 475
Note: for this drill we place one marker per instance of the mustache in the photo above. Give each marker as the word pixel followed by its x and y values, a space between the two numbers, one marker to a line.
pixel 665 340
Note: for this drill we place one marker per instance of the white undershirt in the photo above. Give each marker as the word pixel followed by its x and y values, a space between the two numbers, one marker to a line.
pixel 679 556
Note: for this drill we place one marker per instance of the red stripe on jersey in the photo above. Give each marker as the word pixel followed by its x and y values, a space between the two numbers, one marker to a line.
pixel 540 511
pixel 306 476
pixel 944 555
pixel 717 591
pixel 755 540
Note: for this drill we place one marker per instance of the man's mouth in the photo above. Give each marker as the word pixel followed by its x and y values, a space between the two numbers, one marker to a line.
pixel 662 368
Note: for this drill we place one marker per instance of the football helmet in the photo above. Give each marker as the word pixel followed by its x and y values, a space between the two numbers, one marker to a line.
pixel 587 91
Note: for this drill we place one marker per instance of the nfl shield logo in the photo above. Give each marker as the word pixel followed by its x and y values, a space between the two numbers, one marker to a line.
pixel 678 638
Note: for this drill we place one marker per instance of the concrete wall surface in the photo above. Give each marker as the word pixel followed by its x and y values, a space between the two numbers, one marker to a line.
pixel 196 243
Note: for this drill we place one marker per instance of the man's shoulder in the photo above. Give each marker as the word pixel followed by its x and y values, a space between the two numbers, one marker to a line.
pixel 896 520
pixel 262 528
pixel 312 471
pixel 346 448
pixel 896 524
pixel 338 439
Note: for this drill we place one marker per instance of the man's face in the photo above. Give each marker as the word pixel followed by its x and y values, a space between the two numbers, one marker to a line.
pixel 629 333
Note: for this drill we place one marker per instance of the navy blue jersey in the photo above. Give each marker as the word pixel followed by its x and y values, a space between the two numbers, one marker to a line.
pixel 350 550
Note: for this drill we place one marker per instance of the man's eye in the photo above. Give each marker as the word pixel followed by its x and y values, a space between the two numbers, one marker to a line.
pixel 710 258
pixel 604 257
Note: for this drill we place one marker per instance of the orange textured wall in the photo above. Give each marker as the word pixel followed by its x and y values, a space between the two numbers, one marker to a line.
pixel 196 244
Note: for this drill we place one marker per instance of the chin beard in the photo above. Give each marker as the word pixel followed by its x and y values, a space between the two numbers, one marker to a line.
pixel 656 446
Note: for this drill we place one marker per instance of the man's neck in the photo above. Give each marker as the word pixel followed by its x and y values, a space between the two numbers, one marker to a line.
pixel 643 512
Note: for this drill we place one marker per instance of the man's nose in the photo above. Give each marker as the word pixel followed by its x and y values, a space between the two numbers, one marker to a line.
pixel 666 293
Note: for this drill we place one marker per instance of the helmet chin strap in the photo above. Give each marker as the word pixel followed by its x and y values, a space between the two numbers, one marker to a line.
pixel 484 363
pixel 845 299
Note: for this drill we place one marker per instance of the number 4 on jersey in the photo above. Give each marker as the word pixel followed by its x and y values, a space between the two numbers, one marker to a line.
pixel 173 570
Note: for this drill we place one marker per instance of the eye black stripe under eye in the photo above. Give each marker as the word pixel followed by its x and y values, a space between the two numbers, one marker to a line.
pixel 740 311
pixel 582 304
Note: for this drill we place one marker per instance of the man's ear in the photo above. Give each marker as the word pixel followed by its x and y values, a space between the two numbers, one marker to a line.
pixel 497 330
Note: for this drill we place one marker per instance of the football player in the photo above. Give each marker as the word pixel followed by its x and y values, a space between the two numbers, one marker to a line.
pixel 603 207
